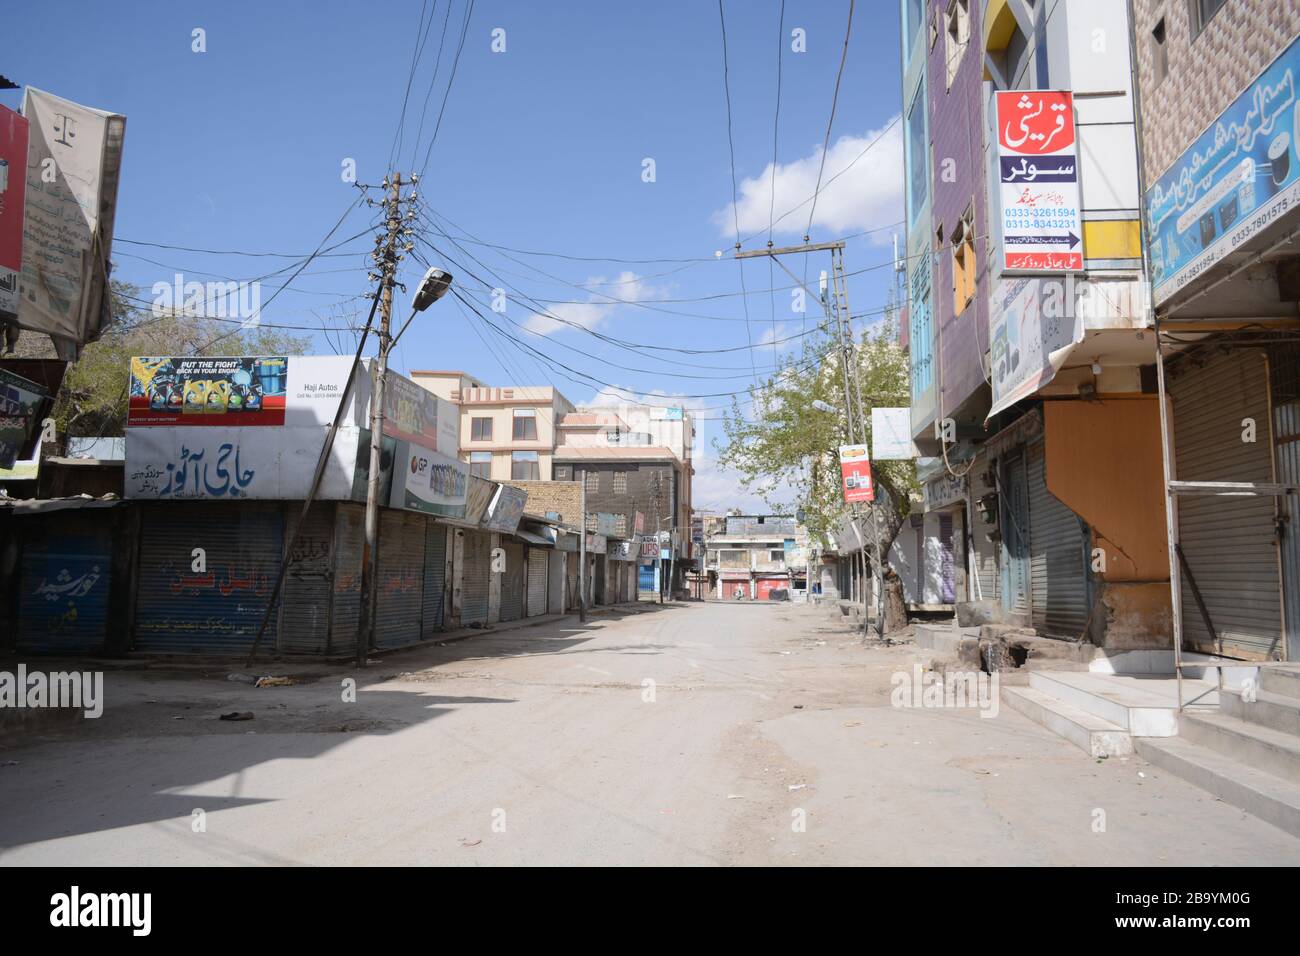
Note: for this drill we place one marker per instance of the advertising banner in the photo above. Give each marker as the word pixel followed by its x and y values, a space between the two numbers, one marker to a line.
pixel 68 228
pixel 1039 181
pixel 891 434
pixel 207 391
pixel 1233 182
pixel 607 524
pixel 235 464
pixel 427 481
pixel 23 406
pixel 414 414
pixel 1032 325
pixel 855 472
pixel 13 183
pixel 506 509
pixel 649 547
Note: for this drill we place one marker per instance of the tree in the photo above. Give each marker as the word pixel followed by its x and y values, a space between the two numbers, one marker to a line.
pixel 92 399
pixel 789 444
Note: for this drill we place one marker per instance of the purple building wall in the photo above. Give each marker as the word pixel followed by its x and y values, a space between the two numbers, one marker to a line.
pixel 957 134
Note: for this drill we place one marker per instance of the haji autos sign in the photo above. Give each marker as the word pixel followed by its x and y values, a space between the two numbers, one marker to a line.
pixel 855 473
pixel 1038 174
pixel 74 157
pixel 13 182
pixel 1234 181
pixel 428 481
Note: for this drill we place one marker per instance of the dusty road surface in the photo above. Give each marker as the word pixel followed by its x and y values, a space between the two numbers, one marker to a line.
pixel 693 734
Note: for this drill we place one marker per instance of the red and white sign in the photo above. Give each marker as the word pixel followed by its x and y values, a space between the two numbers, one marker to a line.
pixel 855 473
pixel 13 185
pixel 1039 182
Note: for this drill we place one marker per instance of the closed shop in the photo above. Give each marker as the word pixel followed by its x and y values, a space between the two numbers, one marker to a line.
pixel 646 578
pixel 1013 498
pixel 1229 543
pixel 64 585
pixel 572 592
pixel 984 543
pixel 217 610
pixel 305 619
pixel 598 579
pixel 1058 550
pixel 556 581
pixel 345 616
pixel 736 588
pixel 399 580
pixel 537 581
pixel 476 578
pixel 513 582
pixel 435 577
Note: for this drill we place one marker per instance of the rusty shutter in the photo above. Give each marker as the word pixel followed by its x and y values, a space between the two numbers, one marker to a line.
pixel 435 576
pixel 537 581
pixel 476 578
pixel 306 616
pixel 345 617
pixel 513 582
pixel 399 578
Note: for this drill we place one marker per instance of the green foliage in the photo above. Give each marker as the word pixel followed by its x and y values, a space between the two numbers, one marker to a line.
pixel 788 452
pixel 92 399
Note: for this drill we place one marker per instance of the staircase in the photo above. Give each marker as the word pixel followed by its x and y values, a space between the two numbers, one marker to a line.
pixel 1244 751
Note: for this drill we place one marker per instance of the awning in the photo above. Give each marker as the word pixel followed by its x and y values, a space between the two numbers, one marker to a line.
pixel 39 506
pixel 531 538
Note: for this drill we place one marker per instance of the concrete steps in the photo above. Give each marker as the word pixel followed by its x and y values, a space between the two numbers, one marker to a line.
pixel 1268 709
pixel 1281 680
pixel 1258 792
pixel 1097 737
pixel 1141 706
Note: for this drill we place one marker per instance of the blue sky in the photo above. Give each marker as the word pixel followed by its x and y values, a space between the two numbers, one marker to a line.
pixel 541 148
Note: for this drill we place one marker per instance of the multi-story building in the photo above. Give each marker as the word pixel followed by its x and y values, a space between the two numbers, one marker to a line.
pixel 748 556
pixel 507 433
pixel 1221 172
pixel 1028 330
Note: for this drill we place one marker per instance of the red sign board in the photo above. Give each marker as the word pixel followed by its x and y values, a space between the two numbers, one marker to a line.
pixel 855 473
pixel 13 186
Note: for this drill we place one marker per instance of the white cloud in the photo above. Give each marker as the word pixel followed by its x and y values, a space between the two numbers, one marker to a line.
pixel 628 286
pixel 866 196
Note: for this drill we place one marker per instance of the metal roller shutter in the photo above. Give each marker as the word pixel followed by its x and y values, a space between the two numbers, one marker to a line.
pixel 985 551
pixel 1014 503
pixel 536 582
pixel 513 582
pixel 476 578
pixel 181 611
pixel 349 540
pixel 435 576
pixel 63 605
pixel 306 616
pixel 400 579
pixel 1229 543
pixel 1058 546
pixel 598 589
pixel 556 582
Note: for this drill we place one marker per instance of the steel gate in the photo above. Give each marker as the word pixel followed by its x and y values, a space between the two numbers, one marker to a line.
pixel 513 582
pixel 537 559
pixel 399 578
pixel 435 577
pixel 476 577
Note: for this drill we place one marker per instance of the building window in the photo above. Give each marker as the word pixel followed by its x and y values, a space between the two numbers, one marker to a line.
pixel 963 262
pixel 620 482
pixel 918 166
pixel 775 555
pixel 480 429
pixel 524 466
pixel 1202 12
pixel 525 424
pixel 1159 53
pixel 480 463
pixel 563 472
pixel 620 527
pixel 913 14
pixel 593 482
pixel 956 36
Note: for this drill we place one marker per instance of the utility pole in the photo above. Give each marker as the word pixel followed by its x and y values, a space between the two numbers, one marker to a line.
pixel 855 410
pixel 387 257
pixel 582 555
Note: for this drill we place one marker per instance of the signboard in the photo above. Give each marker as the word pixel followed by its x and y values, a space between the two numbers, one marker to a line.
pixel 1235 180
pixel 891 434
pixel 638 525
pixel 595 543
pixel 506 509
pixel 649 547
pixel 944 490
pixel 221 392
pixel 68 229
pixel 855 473
pixel 1038 181
pixel 623 551
pixel 413 413
pixel 607 524
pixel 235 464
pixel 23 405
pixel 1032 324
pixel 425 480
pixel 13 183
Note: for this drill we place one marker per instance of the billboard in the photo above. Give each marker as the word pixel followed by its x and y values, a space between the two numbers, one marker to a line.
pixel 891 434
pixel 23 404
pixel 1032 325
pixel 13 183
pixel 506 509
pixel 68 229
pixel 415 414
pixel 1235 180
pixel 235 463
pixel 427 481
pixel 1038 174
pixel 855 473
